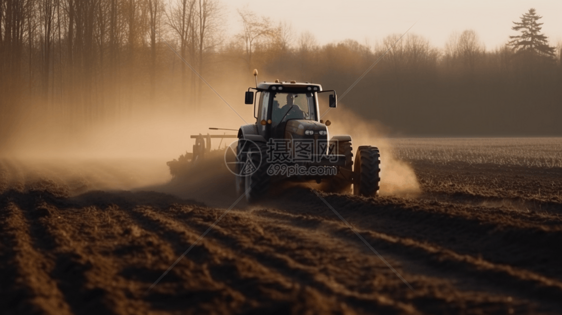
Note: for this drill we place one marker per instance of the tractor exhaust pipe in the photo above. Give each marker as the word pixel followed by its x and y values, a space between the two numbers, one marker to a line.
pixel 256 76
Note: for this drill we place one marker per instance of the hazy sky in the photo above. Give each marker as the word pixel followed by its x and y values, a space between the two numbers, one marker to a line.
pixel 370 21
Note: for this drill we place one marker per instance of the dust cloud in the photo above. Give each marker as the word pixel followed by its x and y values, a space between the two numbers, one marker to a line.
pixel 127 155
pixel 126 152
pixel 397 177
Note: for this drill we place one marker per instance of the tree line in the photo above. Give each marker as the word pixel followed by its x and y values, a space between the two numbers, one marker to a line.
pixel 86 61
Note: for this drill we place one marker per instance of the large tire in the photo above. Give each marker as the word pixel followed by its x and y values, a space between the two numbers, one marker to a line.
pixel 339 183
pixel 366 176
pixel 239 182
pixel 257 183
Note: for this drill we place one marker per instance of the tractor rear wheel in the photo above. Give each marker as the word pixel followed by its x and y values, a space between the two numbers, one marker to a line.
pixel 366 176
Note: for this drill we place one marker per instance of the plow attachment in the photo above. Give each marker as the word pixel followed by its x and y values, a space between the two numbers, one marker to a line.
pixel 201 148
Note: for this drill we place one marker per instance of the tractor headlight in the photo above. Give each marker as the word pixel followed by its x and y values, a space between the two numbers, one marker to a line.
pixel 309 132
pixel 322 132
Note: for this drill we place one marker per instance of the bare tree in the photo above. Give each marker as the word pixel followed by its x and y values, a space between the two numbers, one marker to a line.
pixel 132 20
pixel 15 18
pixel 284 36
pixel 47 14
pixel 181 18
pixel 254 29
pixel 470 48
pixel 100 39
pixel 464 49
pixel 394 48
pixel 307 42
pixel 155 9
pixel 419 52
pixel 208 31
pixel 306 46
pixel 409 56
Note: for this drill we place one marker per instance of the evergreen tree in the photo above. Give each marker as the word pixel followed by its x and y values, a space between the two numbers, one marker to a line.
pixel 531 42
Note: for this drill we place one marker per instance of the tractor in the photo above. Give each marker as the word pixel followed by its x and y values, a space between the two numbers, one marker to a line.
pixel 289 141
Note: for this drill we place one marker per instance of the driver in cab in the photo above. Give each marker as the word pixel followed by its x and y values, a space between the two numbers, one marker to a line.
pixel 288 111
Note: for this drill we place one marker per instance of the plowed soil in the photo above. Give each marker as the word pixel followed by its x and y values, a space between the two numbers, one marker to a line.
pixel 479 239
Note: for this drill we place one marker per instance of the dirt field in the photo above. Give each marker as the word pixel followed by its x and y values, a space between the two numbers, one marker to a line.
pixel 483 237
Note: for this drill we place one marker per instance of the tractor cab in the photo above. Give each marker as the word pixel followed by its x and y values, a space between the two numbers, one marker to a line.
pixel 288 109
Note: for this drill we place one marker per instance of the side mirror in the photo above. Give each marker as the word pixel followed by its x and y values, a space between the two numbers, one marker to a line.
pixel 333 100
pixel 249 98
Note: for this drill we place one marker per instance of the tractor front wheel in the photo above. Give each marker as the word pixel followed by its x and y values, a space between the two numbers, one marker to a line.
pixel 341 183
pixel 256 182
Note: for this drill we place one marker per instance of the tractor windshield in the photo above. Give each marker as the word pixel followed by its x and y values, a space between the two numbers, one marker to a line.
pixel 287 106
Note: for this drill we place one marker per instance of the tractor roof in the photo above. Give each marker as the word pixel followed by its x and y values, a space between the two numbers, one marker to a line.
pixel 289 85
